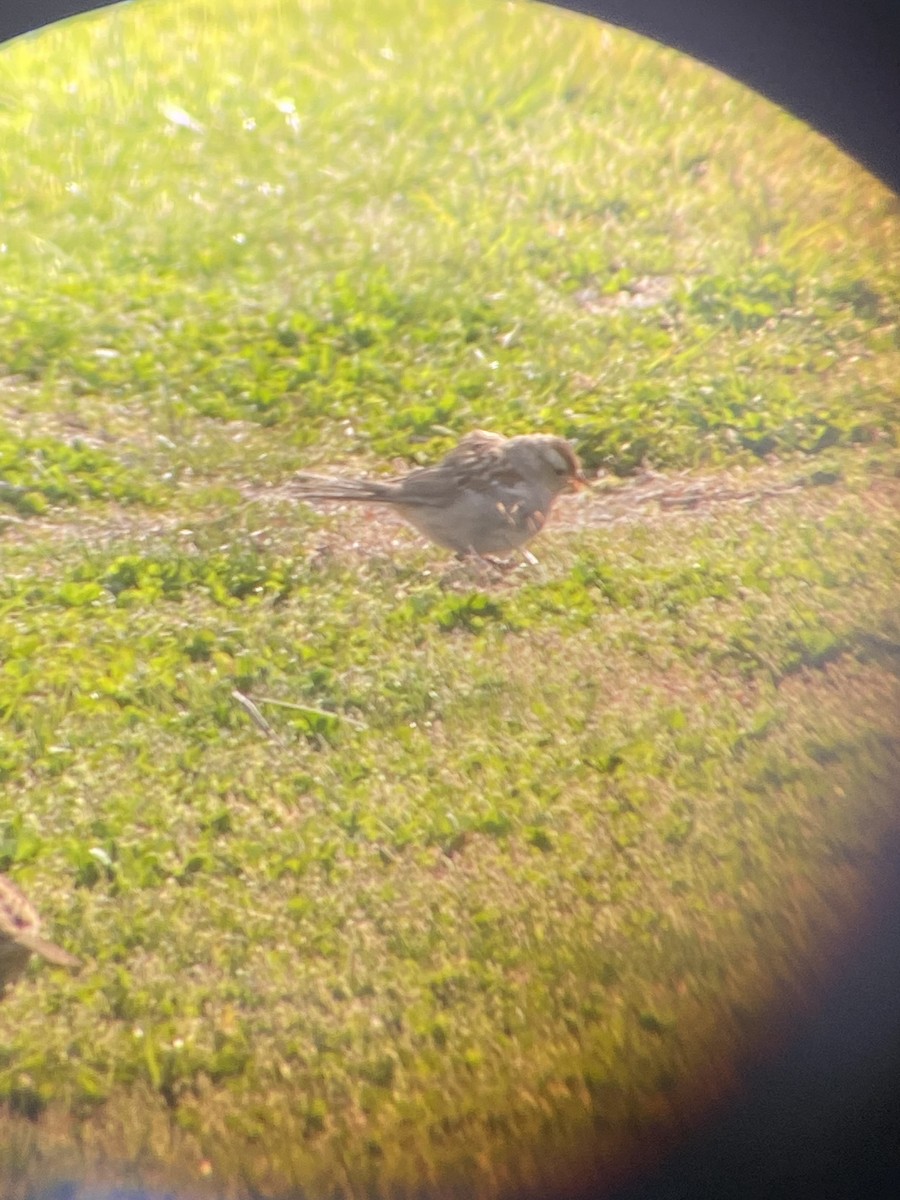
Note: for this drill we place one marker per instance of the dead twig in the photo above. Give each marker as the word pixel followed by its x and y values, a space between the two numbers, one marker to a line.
pixel 309 708
pixel 256 716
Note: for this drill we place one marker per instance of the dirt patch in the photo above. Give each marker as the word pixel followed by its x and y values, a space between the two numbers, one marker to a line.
pixel 648 495
pixel 646 291
pixel 267 513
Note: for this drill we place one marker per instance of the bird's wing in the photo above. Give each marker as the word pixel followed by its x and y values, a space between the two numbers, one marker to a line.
pixel 434 485
pixel 477 446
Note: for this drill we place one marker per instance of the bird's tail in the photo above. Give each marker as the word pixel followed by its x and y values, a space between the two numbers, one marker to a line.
pixel 322 487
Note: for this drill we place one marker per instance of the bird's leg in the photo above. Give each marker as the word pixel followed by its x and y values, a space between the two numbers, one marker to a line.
pixel 496 567
pixel 468 560
pixel 502 564
pixel 509 564
pixel 499 564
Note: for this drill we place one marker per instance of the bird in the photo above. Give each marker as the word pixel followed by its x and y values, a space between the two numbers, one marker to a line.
pixel 20 936
pixel 490 495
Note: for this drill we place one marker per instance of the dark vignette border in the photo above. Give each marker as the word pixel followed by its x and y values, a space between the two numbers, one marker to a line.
pixel 823 1119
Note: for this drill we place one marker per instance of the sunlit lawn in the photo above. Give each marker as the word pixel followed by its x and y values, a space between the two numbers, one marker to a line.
pixel 522 862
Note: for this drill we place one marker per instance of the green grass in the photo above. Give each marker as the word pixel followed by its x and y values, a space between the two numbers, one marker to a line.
pixel 522 863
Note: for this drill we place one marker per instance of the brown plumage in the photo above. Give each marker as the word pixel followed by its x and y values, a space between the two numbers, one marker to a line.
pixel 489 495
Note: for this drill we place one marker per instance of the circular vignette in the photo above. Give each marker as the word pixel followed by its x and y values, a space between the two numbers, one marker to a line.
pixel 837 71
